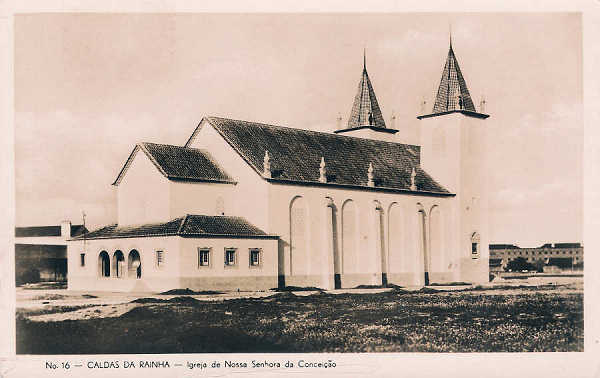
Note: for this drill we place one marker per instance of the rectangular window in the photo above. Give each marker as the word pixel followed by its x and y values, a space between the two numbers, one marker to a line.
pixel 230 257
pixel 254 257
pixel 159 259
pixel 474 248
pixel 203 257
pixel 82 259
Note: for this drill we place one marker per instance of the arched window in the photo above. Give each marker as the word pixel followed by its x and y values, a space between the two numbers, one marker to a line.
pixel 299 235
pixel 103 264
pixel 349 237
pixel 118 264
pixel 475 240
pixel 134 264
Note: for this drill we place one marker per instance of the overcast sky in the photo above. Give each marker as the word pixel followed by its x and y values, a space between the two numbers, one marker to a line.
pixel 90 86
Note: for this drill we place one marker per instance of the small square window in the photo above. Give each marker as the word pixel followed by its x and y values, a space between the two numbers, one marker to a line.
pixel 82 259
pixel 230 257
pixel 203 257
pixel 254 257
pixel 159 259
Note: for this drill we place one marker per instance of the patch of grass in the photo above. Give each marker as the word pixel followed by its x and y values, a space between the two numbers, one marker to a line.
pixel 386 286
pixel 48 297
pixel 391 321
pixel 22 312
pixel 190 292
pixel 172 300
pixel 297 288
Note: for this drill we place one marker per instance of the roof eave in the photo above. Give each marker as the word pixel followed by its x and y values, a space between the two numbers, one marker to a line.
pixel 360 187
pixel 468 113
pixel 375 128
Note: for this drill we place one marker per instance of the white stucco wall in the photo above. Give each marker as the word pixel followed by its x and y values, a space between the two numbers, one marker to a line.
pixel 371 134
pixel 460 164
pixel 241 276
pixel 200 198
pixel 154 278
pixel 143 194
pixel 179 268
pixel 367 264
pixel 249 196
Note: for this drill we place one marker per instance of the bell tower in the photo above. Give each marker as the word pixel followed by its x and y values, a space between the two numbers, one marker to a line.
pixel 366 120
pixel 453 139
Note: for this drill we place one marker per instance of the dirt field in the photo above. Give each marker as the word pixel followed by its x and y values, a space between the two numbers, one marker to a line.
pixel 513 318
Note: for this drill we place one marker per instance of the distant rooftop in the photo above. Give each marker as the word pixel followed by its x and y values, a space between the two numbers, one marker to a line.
pixel 38 231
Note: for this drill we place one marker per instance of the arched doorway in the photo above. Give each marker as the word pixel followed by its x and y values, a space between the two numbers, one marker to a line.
pixel 103 264
pixel 134 264
pixel 118 264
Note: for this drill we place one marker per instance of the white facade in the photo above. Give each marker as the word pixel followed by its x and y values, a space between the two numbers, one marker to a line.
pixel 327 234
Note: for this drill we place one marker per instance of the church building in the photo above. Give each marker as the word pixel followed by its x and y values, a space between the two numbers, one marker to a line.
pixel 251 206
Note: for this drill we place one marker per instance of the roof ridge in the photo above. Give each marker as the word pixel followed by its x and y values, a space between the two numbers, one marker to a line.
pixel 317 132
pixel 152 159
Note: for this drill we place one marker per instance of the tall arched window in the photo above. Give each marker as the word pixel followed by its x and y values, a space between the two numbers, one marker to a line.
pixel 436 233
pixel 103 264
pixel 395 237
pixel 134 264
pixel 349 237
pixel 422 240
pixel 299 235
pixel 118 264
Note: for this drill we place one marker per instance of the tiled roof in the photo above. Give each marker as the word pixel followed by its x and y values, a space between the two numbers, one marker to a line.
pixel 295 155
pixel 452 88
pixel 25 232
pixel 187 226
pixel 179 163
pixel 365 110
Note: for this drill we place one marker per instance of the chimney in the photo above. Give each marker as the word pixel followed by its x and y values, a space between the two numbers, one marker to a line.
pixel 65 229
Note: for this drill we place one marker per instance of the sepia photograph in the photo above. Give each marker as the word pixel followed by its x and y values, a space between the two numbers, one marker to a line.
pixel 298 183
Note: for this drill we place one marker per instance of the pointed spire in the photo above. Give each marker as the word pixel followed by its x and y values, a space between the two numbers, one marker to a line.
pixel 365 110
pixel 452 93
pixel 322 171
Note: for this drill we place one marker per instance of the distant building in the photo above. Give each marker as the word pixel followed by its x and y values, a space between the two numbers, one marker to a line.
pixel 41 252
pixel 561 255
